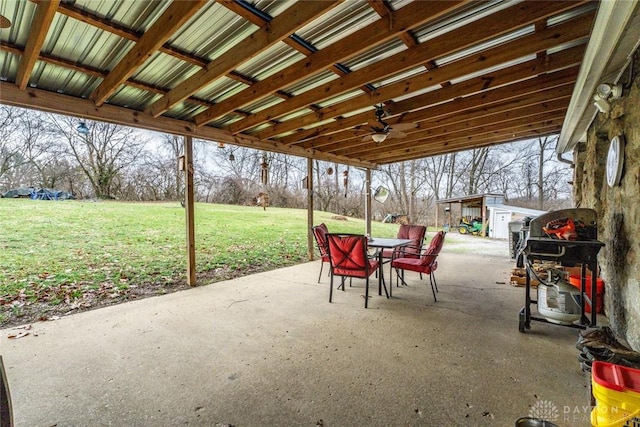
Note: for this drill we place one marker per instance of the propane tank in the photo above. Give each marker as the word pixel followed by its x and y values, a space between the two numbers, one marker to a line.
pixel 558 301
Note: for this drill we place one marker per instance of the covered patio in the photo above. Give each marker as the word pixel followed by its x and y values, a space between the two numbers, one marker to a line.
pixel 309 79
pixel 268 349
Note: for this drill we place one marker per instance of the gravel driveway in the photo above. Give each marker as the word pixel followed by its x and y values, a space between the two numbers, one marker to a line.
pixel 466 244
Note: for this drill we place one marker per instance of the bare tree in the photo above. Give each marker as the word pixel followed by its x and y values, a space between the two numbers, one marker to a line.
pixel 102 153
pixel 175 145
pixel 11 151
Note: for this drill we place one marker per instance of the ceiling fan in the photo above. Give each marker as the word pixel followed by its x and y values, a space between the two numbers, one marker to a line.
pixel 383 130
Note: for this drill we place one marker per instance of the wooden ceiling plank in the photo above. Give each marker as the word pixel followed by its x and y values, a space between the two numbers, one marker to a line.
pixel 63 104
pixel 464 89
pixel 438 47
pixel 164 27
pixel 407 17
pixel 281 27
pixel 43 16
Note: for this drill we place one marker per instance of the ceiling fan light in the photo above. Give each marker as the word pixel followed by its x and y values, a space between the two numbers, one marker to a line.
pixel 379 137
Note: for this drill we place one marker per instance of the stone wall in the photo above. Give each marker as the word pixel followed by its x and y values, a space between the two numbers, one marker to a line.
pixel 618 207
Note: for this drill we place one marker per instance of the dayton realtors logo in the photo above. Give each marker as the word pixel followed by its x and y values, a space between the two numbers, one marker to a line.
pixel 544 410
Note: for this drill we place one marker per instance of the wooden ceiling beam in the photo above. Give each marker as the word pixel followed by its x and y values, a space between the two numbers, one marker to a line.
pixel 446 44
pixel 95 72
pixel 459 123
pixel 44 14
pixel 390 145
pixel 455 112
pixel 162 29
pixel 126 33
pixel 504 84
pixel 444 147
pixel 260 40
pixel 407 17
pixel 521 94
pixel 63 104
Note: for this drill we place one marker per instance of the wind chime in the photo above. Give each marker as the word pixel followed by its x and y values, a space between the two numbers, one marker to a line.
pixel 263 196
pixel 264 170
pixel 345 181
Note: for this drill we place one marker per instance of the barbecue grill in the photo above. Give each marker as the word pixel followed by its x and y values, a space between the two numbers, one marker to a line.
pixel 538 245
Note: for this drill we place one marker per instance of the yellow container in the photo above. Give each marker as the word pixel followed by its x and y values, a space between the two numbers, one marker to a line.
pixel 617 392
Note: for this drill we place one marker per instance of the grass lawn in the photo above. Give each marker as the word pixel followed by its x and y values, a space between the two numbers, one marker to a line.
pixel 60 257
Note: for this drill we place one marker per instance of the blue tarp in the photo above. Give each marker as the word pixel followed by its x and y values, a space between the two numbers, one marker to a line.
pixel 38 194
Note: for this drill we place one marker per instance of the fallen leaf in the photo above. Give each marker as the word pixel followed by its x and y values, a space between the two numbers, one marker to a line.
pixel 18 336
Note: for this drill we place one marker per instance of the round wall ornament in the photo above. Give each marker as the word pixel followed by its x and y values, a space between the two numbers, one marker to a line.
pixel 615 160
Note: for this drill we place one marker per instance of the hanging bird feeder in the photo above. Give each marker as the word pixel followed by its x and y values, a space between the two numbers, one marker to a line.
pixel 329 170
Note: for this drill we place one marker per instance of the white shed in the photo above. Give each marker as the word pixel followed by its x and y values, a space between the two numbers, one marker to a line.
pixel 501 215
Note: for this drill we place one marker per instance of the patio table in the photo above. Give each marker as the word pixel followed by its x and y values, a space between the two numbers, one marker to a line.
pixel 382 244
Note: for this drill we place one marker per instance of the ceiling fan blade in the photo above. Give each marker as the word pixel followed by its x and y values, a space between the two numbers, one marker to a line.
pixel 367 138
pixel 403 126
pixel 373 123
pixel 396 134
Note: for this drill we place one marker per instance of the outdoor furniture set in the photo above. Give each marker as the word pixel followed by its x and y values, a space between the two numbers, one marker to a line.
pixel 348 256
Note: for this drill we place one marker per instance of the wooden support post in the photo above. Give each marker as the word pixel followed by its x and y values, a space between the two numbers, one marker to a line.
pixel 310 237
pixel 189 214
pixel 367 200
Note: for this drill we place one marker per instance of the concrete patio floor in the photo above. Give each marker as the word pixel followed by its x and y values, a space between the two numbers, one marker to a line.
pixel 269 350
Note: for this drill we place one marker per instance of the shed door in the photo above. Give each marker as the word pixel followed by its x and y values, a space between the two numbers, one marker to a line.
pixel 501 227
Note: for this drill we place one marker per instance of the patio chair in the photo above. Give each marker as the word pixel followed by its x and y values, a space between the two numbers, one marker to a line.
pixel 414 232
pixel 348 255
pixel 320 234
pixel 427 263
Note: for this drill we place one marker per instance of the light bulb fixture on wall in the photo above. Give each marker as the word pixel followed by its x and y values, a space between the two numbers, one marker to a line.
pixel 82 128
pixel 379 137
pixel 604 92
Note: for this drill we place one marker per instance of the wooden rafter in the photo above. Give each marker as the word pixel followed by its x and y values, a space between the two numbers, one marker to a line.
pixel 376 33
pixel 162 29
pixel 549 82
pixel 263 38
pixel 45 12
pixel 64 104
pixel 563 33
pixel 472 73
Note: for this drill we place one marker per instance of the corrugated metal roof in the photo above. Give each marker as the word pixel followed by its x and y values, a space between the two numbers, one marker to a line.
pixel 76 55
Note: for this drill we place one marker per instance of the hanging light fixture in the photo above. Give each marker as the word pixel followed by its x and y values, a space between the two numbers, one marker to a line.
pixel 379 137
pixel 82 128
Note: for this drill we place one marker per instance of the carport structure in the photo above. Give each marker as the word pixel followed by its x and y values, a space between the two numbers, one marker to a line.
pixel 306 78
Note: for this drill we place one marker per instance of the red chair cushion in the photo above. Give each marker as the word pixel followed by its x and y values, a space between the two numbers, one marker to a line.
pixel 348 255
